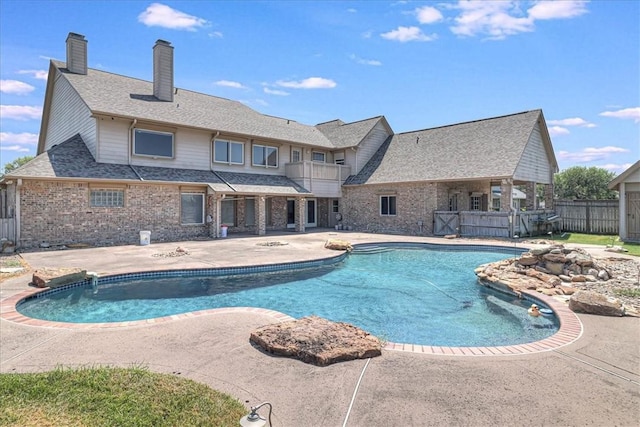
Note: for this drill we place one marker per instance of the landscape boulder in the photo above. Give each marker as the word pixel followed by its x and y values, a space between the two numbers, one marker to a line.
pixel 338 245
pixel 594 303
pixel 317 341
pixel 54 277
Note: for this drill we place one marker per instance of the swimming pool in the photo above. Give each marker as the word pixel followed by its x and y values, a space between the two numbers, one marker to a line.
pixel 412 293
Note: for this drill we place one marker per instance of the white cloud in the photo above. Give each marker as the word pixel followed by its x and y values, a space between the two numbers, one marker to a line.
pixel 18 148
pixel 616 168
pixel 557 9
pixel 38 74
pixel 20 112
pixel 574 121
pixel 15 87
pixel 275 92
pixel 160 15
pixel 408 34
pixel 590 154
pixel 216 34
pixel 558 130
pixel 228 83
pixel 499 19
pixel 625 113
pixel 23 138
pixel 352 10
pixel 363 61
pixel 428 15
pixel 309 83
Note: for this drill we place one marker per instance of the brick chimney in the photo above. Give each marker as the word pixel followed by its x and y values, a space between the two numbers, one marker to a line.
pixel 77 53
pixel 163 71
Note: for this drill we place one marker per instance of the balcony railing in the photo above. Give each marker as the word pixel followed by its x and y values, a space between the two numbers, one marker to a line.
pixel 315 170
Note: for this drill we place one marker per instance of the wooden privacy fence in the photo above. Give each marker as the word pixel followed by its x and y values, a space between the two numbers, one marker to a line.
pixel 589 216
pixel 492 224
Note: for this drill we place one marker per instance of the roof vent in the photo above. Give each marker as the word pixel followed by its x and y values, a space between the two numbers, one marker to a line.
pixel 163 71
pixel 77 53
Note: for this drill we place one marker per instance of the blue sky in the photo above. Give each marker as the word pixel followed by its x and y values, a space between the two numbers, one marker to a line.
pixel 420 64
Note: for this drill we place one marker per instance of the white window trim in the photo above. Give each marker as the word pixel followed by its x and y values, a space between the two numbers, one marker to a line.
pixel 203 204
pixel 388 196
pixel 266 164
pixel 296 150
pixel 324 157
pixel 229 143
pixel 155 156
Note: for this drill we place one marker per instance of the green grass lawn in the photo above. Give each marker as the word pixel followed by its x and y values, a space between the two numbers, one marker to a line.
pixel 597 239
pixel 112 397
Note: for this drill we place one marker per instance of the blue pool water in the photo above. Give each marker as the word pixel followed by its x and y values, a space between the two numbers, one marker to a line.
pixel 418 296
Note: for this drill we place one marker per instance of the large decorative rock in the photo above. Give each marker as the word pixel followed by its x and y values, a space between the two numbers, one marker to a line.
pixel 54 277
pixel 316 340
pixel 527 259
pixel 338 245
pixel 595 303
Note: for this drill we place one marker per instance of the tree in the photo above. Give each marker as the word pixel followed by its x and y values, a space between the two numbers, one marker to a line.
pixel 11 166
pixel 580 182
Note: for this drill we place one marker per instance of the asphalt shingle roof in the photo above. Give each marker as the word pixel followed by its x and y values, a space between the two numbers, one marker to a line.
pixel 345 135
pixel 472 150
pixel 113 94
pixel 72 159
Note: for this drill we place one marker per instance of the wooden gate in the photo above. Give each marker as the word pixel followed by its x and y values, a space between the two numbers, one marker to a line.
pixel 633 216
pixel 445 223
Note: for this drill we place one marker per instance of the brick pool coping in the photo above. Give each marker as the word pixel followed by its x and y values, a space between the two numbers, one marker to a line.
pixel 569 331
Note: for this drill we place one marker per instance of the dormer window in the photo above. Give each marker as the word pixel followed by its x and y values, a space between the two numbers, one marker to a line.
pixel 229 152
pixel 153 143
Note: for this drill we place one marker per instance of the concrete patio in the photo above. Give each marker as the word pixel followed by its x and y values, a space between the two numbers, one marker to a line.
pixel 593 381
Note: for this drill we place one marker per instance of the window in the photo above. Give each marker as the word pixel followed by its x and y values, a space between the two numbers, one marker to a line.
pixel 338 158
pixel 249 212
pixel 335 206
pixel 387 205
pixel 476 202
pixel 317 156
pixel 453 202
pixel 228 212
pixel 266 156
pixel 296 155
pixel 152 143
pixel 228 152
pixel 107 198
pixel 191 208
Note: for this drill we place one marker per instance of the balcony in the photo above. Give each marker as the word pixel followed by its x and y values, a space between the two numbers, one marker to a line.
pixel 322 179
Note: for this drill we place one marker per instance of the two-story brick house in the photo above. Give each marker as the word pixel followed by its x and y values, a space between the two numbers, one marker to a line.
pixel 118 155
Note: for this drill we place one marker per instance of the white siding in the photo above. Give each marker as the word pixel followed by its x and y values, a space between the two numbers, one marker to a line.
pixel 69 115
pixel 366 149
pixel 113 141
pixel 534 164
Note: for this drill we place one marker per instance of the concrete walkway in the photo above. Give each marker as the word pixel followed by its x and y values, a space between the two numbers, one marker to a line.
pixel 593 381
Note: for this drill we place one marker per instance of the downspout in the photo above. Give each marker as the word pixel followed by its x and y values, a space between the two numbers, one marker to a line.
pixel 18 185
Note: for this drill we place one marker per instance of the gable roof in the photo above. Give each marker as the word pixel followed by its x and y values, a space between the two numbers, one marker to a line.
pixel 116 95
pixel 72 160
pixel 346 135
pixel 488 148
pixel 615 183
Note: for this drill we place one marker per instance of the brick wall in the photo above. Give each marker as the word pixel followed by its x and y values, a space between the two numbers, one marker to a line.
pixel 59 213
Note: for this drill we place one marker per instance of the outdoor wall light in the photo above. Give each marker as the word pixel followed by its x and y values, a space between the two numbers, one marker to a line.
pixel 253 419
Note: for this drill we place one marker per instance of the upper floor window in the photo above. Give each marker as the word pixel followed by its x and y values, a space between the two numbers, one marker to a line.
pixel 387 205
pixel 338 158
pixel 152 143
pixel 229 152
pixel 264 155
pixel 318 156
pixel 296 155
